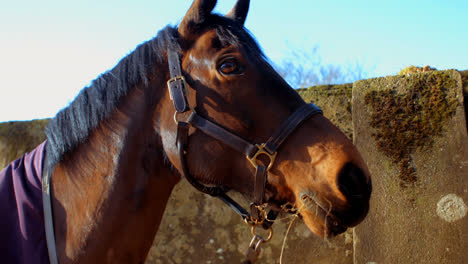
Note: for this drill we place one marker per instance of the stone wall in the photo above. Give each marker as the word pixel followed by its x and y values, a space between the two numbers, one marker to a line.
pixel 197 228
pixel 411 130
pixel 416 202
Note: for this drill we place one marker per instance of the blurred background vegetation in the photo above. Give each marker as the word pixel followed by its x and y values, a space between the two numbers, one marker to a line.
pixel 304 67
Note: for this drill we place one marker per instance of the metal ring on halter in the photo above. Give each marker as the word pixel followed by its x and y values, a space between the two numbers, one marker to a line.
pixel 262 151
pixel 249 220
pixel 270 235
pixel 263 214
pixel 256 245
pixel 176 114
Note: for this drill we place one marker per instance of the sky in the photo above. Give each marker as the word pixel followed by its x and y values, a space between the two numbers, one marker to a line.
pixel 51 49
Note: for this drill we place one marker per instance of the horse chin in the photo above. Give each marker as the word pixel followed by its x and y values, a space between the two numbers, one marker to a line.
pixel 318 218
pixel 319 227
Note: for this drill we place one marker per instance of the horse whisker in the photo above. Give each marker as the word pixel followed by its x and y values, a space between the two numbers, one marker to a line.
pixel 285 237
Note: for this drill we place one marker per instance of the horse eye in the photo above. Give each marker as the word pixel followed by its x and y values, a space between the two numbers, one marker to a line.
pixel 229 66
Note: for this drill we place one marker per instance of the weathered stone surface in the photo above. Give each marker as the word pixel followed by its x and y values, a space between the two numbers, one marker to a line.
pixel 420 218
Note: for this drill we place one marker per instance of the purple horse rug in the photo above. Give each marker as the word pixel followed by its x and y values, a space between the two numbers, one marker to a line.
pixel 22 231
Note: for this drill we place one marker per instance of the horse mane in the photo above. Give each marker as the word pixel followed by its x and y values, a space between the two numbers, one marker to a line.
pixel 95 103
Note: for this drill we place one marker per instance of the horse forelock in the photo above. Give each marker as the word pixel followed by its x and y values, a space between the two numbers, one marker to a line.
pixel 230 32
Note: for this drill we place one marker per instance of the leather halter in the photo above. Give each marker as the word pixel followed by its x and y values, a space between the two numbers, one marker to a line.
pixel 178 91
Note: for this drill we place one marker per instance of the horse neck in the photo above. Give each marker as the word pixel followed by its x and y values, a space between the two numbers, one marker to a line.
pixel 110 193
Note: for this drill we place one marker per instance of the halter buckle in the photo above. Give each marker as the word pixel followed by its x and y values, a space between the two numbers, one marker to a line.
pixel 261 150
pixel 183 83
pixel 175 79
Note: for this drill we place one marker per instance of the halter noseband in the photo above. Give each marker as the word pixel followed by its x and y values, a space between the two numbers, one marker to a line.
pixel 178 91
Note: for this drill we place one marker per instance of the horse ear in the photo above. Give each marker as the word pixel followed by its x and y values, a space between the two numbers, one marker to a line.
pixel 196 15
pixel 239 11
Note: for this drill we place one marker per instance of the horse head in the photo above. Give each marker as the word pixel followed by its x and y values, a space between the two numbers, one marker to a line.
pixel 230 83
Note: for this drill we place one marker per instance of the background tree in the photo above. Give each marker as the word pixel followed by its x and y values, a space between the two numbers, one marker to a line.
pixel 304 68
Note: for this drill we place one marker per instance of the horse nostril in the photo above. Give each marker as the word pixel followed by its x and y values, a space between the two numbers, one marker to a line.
pixel 353 183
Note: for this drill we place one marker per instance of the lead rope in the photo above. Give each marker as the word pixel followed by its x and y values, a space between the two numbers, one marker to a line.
pixel 285 237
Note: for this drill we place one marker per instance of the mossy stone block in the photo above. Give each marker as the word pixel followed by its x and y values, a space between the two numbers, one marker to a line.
pixel 411 131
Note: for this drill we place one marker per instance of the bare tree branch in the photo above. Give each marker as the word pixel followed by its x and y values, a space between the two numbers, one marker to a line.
pixel 304 68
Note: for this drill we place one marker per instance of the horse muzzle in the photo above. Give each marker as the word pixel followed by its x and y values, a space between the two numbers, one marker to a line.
pixel 328 215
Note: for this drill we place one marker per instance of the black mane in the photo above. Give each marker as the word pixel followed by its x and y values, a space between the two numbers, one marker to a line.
pixel 72 125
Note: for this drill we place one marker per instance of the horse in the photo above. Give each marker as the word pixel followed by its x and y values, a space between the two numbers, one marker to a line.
pixel 199 101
